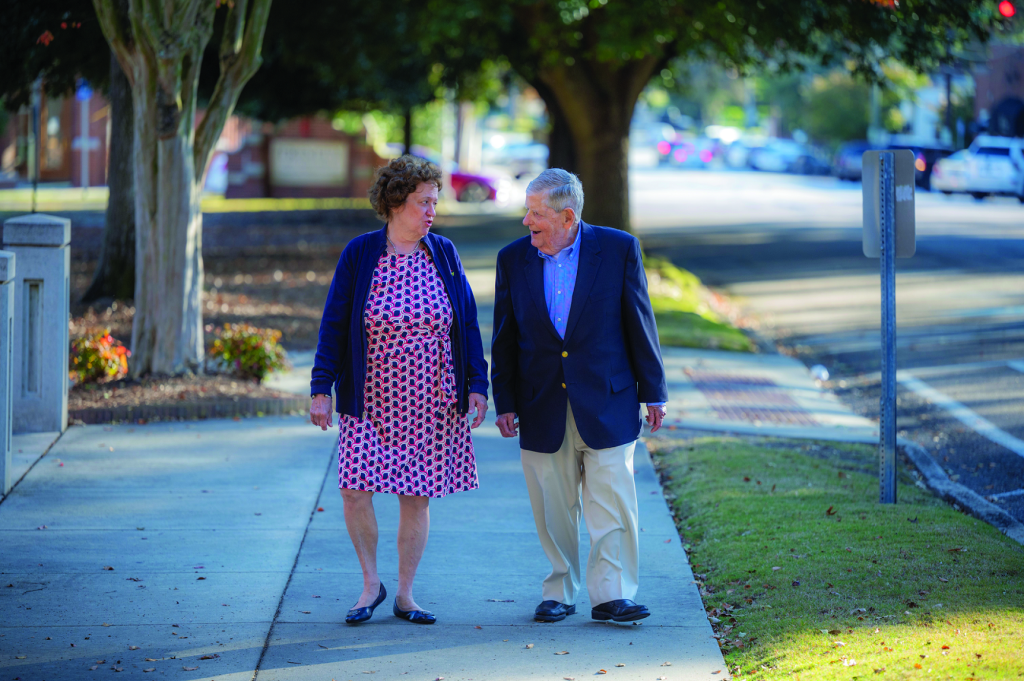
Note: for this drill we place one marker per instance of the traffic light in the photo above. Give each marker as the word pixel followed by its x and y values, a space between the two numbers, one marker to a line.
pixel 1006 9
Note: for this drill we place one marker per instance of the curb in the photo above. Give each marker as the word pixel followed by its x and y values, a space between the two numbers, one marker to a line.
pixel 936 480
pixel 193 411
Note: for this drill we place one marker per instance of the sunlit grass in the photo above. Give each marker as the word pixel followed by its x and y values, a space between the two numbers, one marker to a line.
pixel 684 315
pixel 811 578
pixel 63 199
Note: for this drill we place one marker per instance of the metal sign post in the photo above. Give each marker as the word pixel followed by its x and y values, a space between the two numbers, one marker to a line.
pixel 83 94
pixel 889 232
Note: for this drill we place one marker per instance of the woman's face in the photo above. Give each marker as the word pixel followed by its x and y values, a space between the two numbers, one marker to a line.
pixel 413 219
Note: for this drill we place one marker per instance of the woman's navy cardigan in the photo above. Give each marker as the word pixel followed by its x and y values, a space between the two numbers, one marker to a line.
pixel 341 350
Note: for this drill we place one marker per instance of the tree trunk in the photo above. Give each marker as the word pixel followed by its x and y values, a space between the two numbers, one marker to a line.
pixel 167 331
pixel 160 46
pixel 596 101
pixel 561 147
pixel 407 130
pixel 115 273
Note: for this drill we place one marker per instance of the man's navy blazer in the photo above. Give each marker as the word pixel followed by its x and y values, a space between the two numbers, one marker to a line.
pixel 609 361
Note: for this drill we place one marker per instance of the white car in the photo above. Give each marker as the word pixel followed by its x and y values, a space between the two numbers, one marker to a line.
pixel 949 175
pixel 992 165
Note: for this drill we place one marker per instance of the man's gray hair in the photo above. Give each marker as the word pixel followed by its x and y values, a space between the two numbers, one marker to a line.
pixel 564 190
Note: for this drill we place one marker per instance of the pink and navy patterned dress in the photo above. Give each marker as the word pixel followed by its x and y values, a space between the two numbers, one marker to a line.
pixel 411 439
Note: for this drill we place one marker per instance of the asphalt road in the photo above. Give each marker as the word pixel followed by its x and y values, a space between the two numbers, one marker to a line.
pixel 789 249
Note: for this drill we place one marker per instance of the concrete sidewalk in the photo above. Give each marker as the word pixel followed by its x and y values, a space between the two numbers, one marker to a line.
pixel 196 550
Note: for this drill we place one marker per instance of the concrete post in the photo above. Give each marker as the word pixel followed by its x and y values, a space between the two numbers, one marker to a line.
pixel 6 366
pixel 42 292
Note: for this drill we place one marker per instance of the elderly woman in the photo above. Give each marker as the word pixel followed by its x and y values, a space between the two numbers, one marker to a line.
pixel 400 345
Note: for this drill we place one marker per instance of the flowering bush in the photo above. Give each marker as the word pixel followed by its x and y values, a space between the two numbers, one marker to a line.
pixel 251 351
pixel 97 355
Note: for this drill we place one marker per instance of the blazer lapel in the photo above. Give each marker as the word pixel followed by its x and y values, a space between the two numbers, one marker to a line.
pixel 586 274
pixel 534 272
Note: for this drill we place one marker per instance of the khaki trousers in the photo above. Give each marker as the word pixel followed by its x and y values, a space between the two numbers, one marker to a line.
pixel 600 482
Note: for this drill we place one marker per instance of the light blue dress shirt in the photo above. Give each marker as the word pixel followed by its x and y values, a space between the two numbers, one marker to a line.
pixel 560 282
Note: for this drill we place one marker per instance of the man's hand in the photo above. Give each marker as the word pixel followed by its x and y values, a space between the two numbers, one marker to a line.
pixel 320 411
pixel 477 405
pixel 508 425
pixel 655 415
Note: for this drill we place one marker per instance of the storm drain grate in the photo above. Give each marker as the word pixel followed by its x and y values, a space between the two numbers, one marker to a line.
pixel 749 398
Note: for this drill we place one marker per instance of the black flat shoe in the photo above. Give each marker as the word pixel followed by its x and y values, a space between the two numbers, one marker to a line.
pixel 622 610
pixel 553 611
pixel 357 615
pixel 414 616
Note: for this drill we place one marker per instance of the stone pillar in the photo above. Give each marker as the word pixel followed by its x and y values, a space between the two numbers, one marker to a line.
pixel 6 366
pixel 42 292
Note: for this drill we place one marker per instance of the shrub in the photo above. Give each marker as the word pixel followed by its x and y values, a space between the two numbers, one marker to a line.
pixel 252 352
pixel 97 355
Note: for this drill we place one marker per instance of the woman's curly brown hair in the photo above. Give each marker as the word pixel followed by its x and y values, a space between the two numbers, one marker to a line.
pixel 399 178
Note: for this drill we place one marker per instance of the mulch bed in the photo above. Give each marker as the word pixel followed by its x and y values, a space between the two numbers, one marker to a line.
pixel 186 397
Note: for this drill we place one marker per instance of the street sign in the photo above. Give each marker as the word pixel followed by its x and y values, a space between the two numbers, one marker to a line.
pixel 903 200
pixel 83 93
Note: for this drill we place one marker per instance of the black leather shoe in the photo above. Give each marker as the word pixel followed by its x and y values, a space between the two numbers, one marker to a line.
pixel 553 611
pixel 414 616
pixel 357 615
pixel 622 610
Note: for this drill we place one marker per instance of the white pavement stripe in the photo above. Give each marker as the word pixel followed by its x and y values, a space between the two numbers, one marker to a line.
pixel 1016 364
pixel 1007 495
pixel 979 424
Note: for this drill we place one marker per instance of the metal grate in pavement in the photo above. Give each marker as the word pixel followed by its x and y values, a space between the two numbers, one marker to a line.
pixel 735 397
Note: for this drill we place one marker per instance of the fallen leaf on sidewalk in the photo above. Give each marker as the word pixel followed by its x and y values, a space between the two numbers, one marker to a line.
pixel 133 647
pixel 190 669
pixel 569 678
pixel 324 647
pixel 529 645
pixel 478 627
pixel 717 671
pixel 320 509
pixel 153 659
pixel 305 612
pixel 151 669
pixel 104 625
pixel 118 669
pixel 107 567
pixel 316 597
pixel 620 665
pixel 564 652
pixel 199 579
pixel 19 657
pixel 94 667
pixel 500 600
pixel 666 664
pixel 602 671
pixel 214 656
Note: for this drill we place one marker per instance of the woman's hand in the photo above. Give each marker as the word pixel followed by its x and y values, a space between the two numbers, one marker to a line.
pixel 320 411
pixel 477 405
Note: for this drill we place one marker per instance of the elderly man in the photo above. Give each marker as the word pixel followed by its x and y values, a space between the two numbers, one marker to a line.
pixel 575 350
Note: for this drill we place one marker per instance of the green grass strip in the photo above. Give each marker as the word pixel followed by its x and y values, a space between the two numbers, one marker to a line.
pixel 681 309
pixel 806 576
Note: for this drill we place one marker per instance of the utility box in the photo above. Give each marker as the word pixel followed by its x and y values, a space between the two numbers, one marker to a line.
pixel 42 292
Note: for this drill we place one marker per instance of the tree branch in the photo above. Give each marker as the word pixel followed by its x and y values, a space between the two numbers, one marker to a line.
pixel 111 21
pixel 235 71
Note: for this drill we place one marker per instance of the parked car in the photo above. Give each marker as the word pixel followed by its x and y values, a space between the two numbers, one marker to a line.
pixel 992 165
pixel 788 156
pixel 996 166
pixel 925 157
pixel 847 162
pixel 949 175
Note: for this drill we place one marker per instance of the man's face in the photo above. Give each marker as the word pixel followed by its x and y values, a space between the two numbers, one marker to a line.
pixel 550 230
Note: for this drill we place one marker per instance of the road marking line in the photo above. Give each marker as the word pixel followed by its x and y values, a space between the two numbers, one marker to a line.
pixel 972 420
pixel 1006 495
pixel 1016 364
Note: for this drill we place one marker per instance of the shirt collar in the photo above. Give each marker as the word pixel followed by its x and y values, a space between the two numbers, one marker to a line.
pixel 569 251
